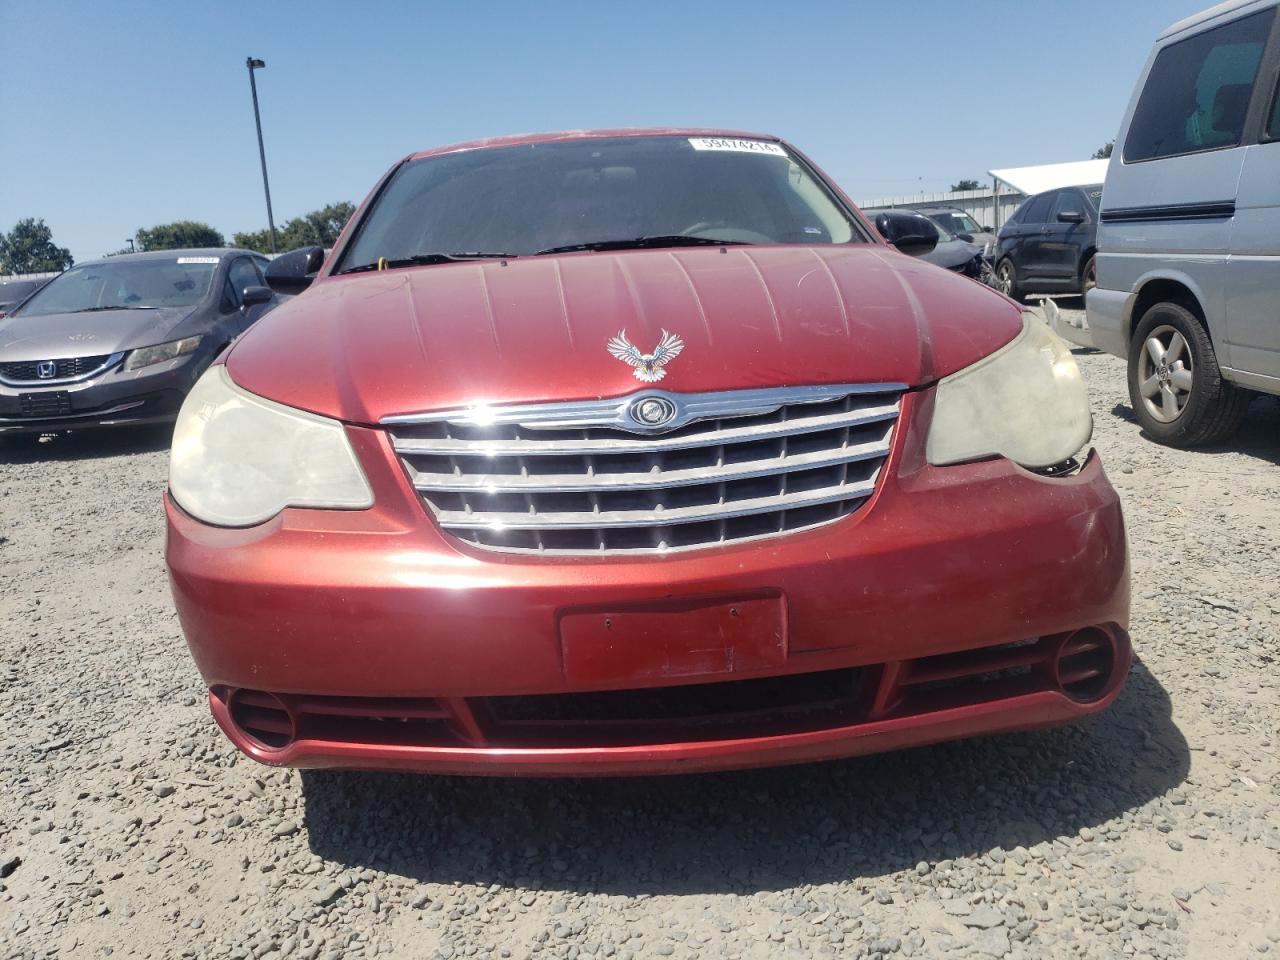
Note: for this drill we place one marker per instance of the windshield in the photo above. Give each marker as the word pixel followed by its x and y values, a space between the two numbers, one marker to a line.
pixel 957 222
pixel 541 197
pixel 125 284
pixel 15 290
pixel 1094 194
pixel 944 234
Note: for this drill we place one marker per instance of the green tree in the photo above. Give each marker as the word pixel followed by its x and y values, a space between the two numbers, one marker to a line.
pixel 179 234
pixel 29 248
pixel 319 228
pixel 964 185
pixel 1104 151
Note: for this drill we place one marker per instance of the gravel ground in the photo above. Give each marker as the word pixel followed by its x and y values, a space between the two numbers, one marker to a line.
pixel 129 827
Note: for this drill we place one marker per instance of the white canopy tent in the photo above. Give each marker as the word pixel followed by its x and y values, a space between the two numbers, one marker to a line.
pixel 1046 176
pixel 1051 176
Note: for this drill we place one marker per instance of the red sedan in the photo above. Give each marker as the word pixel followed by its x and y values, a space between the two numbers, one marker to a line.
pixel 637 451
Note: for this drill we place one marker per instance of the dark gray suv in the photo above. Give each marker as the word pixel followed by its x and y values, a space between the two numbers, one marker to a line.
pixel 121 340
pixel 1049 244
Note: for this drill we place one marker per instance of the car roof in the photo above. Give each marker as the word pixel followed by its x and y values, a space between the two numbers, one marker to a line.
pixel 1213 13
pixel 893 210
pixel 520 139
pixel 1067 186
pixel 220 252
pixel 930 211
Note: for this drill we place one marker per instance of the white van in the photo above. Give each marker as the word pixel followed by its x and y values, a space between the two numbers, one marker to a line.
pixel 1188 268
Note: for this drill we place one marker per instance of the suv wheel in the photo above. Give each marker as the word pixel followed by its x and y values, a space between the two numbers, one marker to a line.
pixel 1089 275
pixel 1177 391
pixel 1007 279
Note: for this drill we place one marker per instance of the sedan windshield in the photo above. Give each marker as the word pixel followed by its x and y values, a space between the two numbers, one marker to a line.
pixel 596 194
pixel 125 285
pixel 957 222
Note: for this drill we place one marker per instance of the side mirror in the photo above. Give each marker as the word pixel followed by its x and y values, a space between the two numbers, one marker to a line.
pixel 911 233
pixel 988 229
pixel 293 272
pixel 252 296
pixel 1070 216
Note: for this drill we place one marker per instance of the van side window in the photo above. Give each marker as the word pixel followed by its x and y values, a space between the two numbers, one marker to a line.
pixel 1197 93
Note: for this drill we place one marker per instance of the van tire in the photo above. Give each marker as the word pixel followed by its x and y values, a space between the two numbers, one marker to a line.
pixel 1211 409
pixel 1007 280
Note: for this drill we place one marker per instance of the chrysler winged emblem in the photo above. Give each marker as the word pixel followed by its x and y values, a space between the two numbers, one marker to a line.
pixel 648 366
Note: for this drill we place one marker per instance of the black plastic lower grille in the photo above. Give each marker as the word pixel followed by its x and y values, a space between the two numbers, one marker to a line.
pixel 54 403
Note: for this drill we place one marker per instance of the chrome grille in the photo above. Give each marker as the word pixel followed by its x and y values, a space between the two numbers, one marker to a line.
pixel 590 478
pixel 65 369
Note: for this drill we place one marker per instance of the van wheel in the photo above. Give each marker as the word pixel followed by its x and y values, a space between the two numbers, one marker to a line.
pixel 1007 280
pixel 1177 391
pixel 1089 275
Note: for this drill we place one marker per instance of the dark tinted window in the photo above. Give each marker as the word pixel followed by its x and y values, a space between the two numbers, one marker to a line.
pixel 1198 91
pixel 1094 194
pixel 1036 210
pixel 243 274
pixel 1070 201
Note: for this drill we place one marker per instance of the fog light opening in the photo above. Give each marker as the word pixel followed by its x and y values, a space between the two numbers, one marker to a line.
pixel 1085 664
pixel 262 718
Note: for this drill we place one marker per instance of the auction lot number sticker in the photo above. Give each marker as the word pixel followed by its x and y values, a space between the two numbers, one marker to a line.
pixel 737 146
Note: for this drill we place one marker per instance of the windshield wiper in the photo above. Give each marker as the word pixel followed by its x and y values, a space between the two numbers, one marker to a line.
pixel 639 243
pixel 419 259
pixel 113 306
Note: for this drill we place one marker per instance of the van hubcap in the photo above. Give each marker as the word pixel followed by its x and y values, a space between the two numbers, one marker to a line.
pixel 1164 374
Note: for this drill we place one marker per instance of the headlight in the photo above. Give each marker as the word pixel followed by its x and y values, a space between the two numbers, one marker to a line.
pixel 1027 401
pixel 145 356
pixel 988 249
pixel 239 459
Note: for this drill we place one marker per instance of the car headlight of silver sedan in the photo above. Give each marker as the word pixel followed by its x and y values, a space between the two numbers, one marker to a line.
pixel 160 352
pixel 1027 401
pixel 239 459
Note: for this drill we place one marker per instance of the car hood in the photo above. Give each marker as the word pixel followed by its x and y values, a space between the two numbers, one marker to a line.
pixel 952 253
pixel 367 346
pixel 56 335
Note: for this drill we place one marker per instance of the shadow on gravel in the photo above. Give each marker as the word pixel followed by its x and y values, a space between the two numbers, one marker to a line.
pixel 759 830
pixel 85 444
pixel 1258 436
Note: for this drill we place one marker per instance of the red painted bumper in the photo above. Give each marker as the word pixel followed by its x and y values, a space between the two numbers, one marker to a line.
pixel 420 650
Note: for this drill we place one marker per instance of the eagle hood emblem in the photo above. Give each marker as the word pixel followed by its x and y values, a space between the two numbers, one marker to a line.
pixel 648 366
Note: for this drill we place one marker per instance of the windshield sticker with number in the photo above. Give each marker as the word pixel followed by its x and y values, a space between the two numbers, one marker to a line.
pixel 737 146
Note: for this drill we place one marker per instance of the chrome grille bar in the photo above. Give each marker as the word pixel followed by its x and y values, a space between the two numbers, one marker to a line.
pixel 655 478
pixel 591 478
pixel 461 520
pixel 535 447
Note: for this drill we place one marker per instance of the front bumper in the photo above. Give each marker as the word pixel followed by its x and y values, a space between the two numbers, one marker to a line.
pixel 113 398
pixel 941 609
pixel 1108 312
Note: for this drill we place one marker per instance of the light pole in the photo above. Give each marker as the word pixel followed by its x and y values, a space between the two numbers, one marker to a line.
pixel 253 64
pixel 129 241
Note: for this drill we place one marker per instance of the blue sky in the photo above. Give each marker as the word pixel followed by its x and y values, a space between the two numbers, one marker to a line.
pixel 126 114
